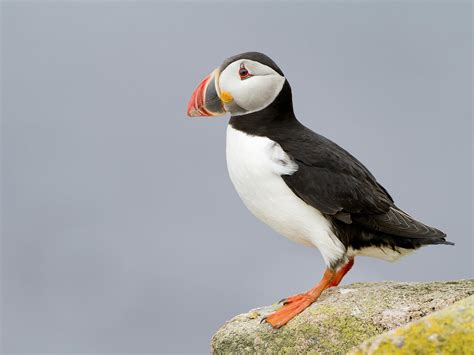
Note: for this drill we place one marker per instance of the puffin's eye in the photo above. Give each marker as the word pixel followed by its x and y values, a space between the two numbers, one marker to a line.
pixel 243 72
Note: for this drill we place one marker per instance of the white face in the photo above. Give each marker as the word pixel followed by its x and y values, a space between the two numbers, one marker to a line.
pixel 252 86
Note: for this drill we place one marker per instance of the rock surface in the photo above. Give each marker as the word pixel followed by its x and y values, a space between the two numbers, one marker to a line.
pixel 449 331
pixel 342 318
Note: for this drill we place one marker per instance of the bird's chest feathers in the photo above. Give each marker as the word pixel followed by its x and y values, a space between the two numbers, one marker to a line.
pixel 255 167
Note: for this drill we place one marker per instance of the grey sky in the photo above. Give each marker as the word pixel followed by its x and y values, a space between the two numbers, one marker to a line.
pixel 121 230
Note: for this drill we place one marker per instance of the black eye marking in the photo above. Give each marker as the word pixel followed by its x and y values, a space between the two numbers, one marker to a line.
pixel 243 72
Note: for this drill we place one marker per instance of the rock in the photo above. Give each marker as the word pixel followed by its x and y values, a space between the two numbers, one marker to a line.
pixel 449 331
pixel 342 318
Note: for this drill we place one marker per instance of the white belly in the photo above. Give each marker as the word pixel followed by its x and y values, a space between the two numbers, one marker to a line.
pixel 255 167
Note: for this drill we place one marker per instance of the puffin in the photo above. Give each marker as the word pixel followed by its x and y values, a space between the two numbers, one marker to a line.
pixel 301 184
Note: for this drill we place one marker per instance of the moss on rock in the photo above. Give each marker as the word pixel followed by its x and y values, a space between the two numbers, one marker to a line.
pixel 342 318
pixel 449 331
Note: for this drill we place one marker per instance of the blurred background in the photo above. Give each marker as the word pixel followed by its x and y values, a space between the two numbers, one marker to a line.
pixel 121 230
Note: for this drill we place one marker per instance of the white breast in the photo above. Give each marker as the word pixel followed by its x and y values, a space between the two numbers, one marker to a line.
pixel 255 167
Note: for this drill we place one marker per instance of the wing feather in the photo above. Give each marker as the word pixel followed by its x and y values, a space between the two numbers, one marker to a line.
pixel 337 184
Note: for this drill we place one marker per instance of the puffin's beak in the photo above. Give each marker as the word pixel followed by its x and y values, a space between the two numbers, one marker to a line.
pixel 205 100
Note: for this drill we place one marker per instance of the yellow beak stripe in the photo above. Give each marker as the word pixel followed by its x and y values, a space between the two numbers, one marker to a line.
pixel 226 97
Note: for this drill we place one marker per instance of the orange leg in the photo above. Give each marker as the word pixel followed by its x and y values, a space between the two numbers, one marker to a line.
pixel 342 272
pixel 294 305
pixel 338 276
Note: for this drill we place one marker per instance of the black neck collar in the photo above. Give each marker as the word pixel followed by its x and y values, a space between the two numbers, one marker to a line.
pixel 274 117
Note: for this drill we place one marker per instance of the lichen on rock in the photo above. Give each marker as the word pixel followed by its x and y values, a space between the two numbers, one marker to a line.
pixel 342 318
pixel 449 331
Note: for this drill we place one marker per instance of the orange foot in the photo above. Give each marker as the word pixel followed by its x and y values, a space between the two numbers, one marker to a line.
pixel 293 298
pixel 292 306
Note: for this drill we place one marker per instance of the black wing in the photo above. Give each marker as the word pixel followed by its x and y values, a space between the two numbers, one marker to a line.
pixel 332 180
pixel 337 184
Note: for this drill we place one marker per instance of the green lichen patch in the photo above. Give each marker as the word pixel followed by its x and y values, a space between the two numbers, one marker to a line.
pixel 449 331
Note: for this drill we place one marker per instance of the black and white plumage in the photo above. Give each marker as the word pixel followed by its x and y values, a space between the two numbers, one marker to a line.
pixel 361 212
pixel 300 183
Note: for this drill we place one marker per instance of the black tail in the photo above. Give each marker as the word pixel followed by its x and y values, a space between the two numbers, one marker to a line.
pixel 397 223
pixel 394 229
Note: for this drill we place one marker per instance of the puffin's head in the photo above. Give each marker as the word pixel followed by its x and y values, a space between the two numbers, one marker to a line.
pixel 245 83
